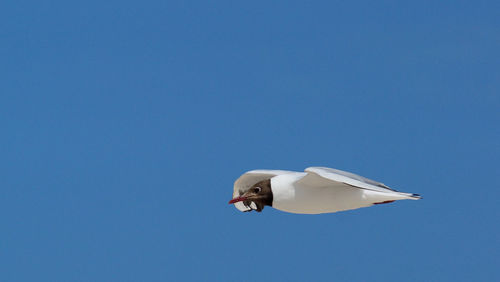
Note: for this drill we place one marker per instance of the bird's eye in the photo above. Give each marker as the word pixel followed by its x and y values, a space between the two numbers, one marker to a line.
pixel 257 189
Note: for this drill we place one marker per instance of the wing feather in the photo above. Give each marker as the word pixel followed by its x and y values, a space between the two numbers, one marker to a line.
pixel 330 174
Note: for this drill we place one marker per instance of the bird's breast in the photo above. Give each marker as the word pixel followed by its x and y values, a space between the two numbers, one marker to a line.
pixel 294 197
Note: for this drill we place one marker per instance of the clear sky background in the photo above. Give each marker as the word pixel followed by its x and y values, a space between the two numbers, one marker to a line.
pixel 124 125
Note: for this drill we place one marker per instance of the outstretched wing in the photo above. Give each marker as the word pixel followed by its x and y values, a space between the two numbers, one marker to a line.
pixel 248 179
pixel 319 176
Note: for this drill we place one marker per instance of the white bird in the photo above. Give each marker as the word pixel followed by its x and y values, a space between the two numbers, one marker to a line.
pixel 317 190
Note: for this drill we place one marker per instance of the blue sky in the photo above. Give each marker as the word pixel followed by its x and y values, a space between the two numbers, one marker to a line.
pixel 125 124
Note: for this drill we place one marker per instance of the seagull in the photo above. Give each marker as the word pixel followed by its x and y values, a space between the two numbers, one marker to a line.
pixel 314 191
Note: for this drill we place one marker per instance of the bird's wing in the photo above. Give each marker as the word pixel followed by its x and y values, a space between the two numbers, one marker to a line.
pixel 321 176
pixel 248 179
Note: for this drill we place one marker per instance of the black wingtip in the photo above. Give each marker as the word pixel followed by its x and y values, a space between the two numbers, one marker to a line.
pixel 416 196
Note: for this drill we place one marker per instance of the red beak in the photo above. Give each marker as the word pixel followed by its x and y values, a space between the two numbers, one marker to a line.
pixel 237 199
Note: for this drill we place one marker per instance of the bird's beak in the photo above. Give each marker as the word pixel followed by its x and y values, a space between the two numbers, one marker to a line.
pixel 238 199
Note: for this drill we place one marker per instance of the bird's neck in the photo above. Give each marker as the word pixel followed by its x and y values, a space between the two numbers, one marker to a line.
pixel 282 187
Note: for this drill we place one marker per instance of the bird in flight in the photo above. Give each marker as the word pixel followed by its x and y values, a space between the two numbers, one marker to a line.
pixel 317 190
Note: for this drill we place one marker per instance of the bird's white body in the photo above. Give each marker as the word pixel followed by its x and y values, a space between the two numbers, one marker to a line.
pixel 319 190
pixel 295 196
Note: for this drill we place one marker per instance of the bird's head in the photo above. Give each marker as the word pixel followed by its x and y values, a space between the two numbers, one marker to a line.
pixel 260 194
